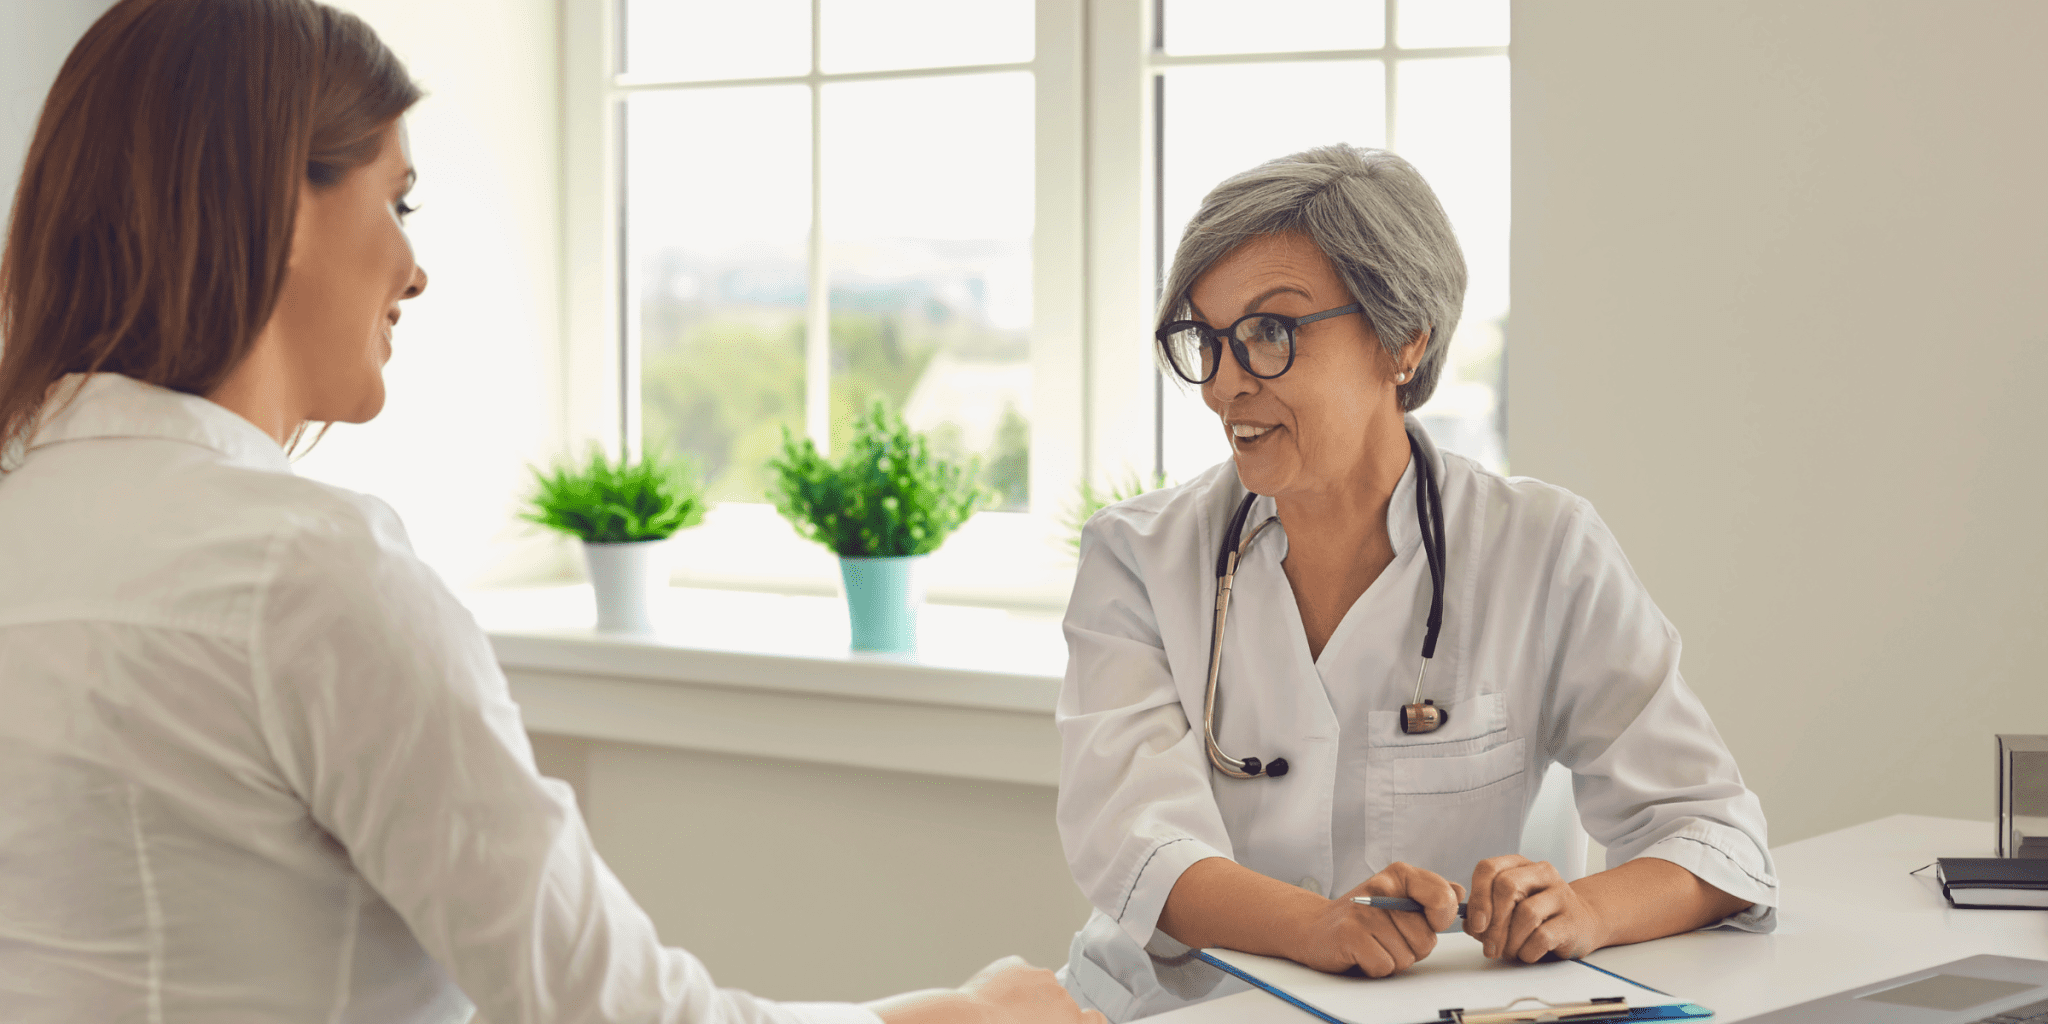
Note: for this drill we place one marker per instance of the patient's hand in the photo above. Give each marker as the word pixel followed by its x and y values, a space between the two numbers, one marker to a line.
pixel 1008 991
pixel 1382 942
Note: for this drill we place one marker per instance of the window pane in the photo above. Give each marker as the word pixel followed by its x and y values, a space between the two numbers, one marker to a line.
pixel 716 256
pixel 1422 23
pixel 698 40
pixel 881 35
pixel 928 217
pixel 1274 26
pixel 1232 117
pixel 1229 118
pixel 1452 116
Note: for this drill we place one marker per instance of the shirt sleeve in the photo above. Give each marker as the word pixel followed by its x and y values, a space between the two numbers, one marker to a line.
pixel 386 711
pixel 1135 804
pixel 1652 775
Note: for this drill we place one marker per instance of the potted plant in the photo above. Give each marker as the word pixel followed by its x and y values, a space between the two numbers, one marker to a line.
pixel 1090 499
pixel 622 511
pixel 883 507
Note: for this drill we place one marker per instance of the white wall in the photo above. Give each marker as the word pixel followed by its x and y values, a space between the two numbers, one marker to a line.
pixel 1779 288
pixel 39 35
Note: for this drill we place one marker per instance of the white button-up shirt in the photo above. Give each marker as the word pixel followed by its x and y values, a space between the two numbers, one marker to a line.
pixel 258 765
pixel 1551 651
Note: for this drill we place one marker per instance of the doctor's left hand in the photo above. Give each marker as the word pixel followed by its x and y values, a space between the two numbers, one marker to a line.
pixel 1523 909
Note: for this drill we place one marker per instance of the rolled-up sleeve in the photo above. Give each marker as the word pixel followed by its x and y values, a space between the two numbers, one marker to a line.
pixel 386 712
pixel 1135 804
pixel 1653 777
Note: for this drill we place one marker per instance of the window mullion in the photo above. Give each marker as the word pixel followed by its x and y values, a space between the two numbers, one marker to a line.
pixel 818 303
pixel 1391 68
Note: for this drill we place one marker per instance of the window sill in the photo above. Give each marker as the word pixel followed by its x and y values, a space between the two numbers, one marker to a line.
pixel 997 559
pixel 771 675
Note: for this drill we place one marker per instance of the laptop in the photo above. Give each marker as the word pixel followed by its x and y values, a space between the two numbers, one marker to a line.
pixel 1974 990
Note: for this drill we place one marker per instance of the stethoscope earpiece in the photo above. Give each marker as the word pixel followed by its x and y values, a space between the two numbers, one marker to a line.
pixel 1418 717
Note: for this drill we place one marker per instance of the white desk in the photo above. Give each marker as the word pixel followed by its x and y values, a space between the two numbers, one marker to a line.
pixel 1851 916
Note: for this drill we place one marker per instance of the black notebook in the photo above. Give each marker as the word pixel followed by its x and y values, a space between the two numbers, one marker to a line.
pixel 2015 882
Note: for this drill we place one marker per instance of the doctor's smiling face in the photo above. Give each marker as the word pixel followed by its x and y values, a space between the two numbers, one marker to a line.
pixel 1308 431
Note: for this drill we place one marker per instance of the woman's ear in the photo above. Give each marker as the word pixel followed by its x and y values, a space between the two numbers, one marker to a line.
pixel 1412 353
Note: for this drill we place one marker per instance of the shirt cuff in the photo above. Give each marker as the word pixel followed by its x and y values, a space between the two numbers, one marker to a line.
pixel 832 1013
pixel 1729 861
pixel 1146 897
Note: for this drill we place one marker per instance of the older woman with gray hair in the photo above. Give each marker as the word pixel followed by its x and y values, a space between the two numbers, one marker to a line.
pixel 1339 664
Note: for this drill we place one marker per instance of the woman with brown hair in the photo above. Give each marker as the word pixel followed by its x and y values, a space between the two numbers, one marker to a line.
pixel 256 763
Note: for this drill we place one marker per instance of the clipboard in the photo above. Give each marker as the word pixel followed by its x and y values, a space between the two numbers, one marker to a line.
pixel 1458 974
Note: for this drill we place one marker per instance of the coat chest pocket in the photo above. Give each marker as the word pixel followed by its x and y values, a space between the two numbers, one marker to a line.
pixel 1463 778
pixel 1447 814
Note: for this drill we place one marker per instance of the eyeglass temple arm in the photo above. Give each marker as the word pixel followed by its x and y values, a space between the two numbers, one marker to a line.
pixel 1328 313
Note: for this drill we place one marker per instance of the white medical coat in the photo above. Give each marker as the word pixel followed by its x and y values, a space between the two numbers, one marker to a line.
pixel 1551 650
pixel 258 765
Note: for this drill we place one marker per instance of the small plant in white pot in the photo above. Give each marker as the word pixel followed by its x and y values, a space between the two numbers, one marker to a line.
pixel 882 508
pixel 622 512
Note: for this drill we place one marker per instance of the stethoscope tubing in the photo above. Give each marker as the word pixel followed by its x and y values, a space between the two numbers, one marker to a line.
pixel 1226 575
pixel 1429 517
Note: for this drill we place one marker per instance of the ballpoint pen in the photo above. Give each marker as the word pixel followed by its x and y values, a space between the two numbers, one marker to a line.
pixel 1395 903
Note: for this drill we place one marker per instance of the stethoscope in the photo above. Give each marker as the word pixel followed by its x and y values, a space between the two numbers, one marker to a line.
pixel 1418 715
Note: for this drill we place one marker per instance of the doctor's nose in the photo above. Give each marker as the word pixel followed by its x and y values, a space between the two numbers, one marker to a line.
pixel 1230 382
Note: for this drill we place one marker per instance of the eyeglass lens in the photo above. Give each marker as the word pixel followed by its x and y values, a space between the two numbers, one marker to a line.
pixel 1264 344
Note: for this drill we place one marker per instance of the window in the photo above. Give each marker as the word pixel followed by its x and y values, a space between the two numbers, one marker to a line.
pixel 782 210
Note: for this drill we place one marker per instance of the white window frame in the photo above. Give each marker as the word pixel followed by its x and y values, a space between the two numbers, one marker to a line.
pixel 1096 249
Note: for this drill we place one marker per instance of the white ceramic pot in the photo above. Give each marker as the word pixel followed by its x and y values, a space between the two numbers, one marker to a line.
pixel 626 577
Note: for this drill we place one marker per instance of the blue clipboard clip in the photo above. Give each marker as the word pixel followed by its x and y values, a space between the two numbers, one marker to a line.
pixel 1612 1008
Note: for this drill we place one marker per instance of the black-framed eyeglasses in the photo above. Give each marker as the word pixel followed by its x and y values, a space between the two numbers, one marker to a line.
pixel 1262 342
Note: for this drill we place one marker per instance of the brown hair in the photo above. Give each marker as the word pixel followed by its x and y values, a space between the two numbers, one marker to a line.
pixel 154 217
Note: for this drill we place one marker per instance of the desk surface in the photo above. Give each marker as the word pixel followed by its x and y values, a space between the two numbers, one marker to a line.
pixel 1852 915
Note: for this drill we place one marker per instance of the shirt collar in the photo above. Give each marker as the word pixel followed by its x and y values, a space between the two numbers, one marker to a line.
pixel 108 405
pixel 1404 531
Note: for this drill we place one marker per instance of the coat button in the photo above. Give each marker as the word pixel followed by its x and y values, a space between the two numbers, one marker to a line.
pixel 1312 885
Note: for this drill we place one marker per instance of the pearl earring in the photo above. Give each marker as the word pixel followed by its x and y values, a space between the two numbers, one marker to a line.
pixel 1401 378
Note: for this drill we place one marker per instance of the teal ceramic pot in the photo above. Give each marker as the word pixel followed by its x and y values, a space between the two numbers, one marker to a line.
pixel 882 599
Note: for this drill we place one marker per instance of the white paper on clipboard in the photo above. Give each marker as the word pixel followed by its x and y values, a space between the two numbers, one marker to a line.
pixel 1457 974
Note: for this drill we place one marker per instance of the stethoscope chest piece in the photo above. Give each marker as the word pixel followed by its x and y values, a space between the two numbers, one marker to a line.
pixel 1423 717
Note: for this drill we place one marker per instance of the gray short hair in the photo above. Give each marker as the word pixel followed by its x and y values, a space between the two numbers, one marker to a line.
pixel 1372 215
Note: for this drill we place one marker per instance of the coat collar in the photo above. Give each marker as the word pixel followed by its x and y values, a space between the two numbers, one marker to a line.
pixel 108 405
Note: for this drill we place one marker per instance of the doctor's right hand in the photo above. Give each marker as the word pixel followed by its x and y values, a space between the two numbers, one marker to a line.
pixel 1382 942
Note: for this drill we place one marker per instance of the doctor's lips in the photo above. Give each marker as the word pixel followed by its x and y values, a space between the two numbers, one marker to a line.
pixel 1246 434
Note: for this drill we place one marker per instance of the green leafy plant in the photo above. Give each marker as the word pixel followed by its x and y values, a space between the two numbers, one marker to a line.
pixel 888 497
pixel 1090 499
pixel 608 502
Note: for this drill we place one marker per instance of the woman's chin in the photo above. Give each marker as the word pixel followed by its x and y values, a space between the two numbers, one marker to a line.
pixel 1258 471
pixel 359 407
